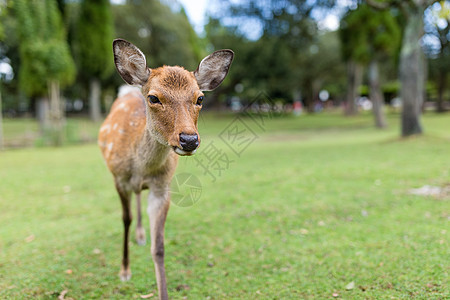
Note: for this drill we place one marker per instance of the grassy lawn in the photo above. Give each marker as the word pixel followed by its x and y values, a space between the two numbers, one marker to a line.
pixel 19 133
pixel 315 207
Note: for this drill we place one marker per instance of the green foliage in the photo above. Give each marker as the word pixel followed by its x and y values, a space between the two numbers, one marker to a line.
pixel 267 63
pixel 292 55
pixel 366 34
pixel 439 63
pixel 44 51
pixel 2 12
pixel 9 48
pixel 322 66
pixel 165 36
pixel 392 87
pixel 93 39
pixel 196 44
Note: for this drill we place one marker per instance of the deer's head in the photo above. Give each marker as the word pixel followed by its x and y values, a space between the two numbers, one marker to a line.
pixel 173 95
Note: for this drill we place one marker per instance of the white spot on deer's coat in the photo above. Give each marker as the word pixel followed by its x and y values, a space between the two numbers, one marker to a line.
pixel 127 89
pixel 106 127
pixel 123 106
pixel 121 131
pixel 108 149
pixel 115 126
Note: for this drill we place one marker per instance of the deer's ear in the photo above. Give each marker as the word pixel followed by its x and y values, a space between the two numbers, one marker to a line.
pixel 130 62
pixel 213 69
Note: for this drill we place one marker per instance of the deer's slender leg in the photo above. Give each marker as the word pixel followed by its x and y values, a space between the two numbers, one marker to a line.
pixel 140 231
pixel 125 197
pixel 158 206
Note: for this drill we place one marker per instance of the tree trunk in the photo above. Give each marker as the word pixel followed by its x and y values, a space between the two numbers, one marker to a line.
pixel 42 114
pixel 315 90
pixel 56 114
pixel 308 96
pixel 376 95
pixel 441 88
pixel 94 100
pixel 412 73
pixel 354 79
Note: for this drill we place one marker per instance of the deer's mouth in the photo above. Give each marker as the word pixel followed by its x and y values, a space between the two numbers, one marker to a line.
pixel 182 152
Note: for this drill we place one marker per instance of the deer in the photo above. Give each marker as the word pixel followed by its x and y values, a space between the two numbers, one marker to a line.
pixel 146 131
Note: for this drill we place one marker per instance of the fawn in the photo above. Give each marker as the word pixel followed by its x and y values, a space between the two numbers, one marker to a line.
pixel 144 133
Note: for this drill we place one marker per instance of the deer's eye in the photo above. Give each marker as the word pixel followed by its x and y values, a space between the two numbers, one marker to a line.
pixel 153 99
pixel 200 100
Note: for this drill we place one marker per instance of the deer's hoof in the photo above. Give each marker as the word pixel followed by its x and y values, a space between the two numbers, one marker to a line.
pixel 140 236
pixel 125 274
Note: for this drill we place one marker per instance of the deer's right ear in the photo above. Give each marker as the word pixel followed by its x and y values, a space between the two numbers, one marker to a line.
pixel 130 62
pixel 213 69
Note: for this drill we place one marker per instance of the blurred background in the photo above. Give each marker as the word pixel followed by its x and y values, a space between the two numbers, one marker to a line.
pixel 304 157
pixel 58 78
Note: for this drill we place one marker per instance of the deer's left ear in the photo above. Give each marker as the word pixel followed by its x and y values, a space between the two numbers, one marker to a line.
pixel 130 62
pixel 213 69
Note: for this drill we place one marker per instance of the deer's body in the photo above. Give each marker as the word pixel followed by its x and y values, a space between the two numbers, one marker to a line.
pixel 146 131
pixel 131 153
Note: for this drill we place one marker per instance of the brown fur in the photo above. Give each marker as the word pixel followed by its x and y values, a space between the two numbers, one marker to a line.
pixel 140 140
pixel 123 133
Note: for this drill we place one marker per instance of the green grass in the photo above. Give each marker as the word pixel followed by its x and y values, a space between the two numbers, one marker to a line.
pixel 24 132
pixel 313 204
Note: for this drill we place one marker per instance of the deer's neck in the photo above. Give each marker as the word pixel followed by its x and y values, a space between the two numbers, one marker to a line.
pixel 151 154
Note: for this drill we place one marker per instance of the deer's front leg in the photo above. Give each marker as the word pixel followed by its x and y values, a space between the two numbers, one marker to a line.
pixel 158 206
pixel 125 199
pixel 140 231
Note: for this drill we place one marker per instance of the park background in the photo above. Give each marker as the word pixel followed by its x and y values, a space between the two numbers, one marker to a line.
pixel 338 188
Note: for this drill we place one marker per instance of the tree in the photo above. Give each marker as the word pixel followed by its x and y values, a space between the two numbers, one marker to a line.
pixel 2 10
pixel 353 56
pixel 280 60
pixel 46 63
pixel 12 95
pixel 92 48
pixel 440 57
pixel 369 37
pixel 164 34
pixel 412 62
pixel 320 67
pixel 222 37
pixel 354 52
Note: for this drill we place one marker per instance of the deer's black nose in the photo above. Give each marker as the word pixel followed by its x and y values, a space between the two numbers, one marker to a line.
pixel 188 142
